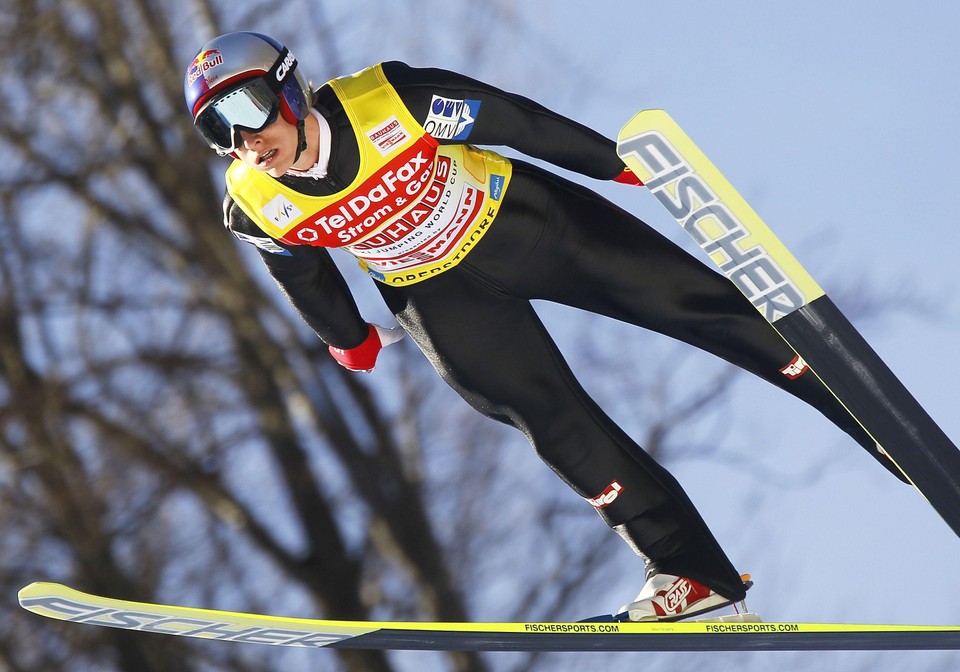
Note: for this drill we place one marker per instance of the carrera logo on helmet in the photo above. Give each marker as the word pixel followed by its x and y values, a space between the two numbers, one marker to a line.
pixel 286 66
pixel 204 61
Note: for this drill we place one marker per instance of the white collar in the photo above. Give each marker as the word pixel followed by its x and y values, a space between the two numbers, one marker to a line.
pixel 318 170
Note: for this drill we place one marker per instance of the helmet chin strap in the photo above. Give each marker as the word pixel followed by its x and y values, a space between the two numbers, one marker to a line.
pixel 301 139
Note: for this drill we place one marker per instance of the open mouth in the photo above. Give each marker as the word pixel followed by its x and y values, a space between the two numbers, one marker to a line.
pixel 266 157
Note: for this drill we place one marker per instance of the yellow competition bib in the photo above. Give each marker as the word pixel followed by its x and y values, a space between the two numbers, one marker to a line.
pixel 415 208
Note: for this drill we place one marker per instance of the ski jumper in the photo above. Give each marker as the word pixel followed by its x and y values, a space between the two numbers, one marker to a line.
pixel 460 240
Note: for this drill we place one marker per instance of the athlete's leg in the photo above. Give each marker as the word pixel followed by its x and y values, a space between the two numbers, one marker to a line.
pixel 609 262
pixel 493 350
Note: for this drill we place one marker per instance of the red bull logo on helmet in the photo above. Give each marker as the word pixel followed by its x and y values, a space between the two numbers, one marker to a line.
pixel 205 60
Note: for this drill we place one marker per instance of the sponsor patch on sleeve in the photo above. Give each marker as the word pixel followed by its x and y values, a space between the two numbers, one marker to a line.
pixel 451 119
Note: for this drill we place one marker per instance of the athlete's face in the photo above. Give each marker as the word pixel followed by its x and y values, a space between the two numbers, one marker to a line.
pixel 271 150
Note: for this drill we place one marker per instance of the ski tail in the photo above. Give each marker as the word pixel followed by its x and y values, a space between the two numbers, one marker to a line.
pixel 748 253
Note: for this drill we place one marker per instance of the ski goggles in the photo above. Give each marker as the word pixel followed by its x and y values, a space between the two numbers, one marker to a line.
pixel 251 107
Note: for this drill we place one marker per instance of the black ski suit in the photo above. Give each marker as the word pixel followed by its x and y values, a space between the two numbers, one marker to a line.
pixel 558 241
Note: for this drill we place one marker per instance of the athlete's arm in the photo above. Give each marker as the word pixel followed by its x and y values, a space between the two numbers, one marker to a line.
pixel 309 279
pixel 501 118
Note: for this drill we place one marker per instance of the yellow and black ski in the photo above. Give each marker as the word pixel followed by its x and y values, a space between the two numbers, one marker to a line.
pixel 705 204
pixel 66 604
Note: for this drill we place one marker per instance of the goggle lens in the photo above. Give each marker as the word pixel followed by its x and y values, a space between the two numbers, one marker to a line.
pixel 251 107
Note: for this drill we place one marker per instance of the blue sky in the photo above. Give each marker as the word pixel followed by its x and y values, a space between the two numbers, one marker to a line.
pixel 837 121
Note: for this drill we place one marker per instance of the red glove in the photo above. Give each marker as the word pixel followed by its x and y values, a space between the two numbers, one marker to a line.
pixel 364 356
pixel 628 177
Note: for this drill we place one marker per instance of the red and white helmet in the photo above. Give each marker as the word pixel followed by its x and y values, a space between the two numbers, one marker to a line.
pixel 242 81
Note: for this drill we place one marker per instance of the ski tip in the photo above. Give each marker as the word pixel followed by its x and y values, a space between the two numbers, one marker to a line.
pixel 642 121
pixel 30 589
pixel 37 590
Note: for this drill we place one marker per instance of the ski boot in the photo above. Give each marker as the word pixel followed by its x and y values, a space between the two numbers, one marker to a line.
pixel 672 598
